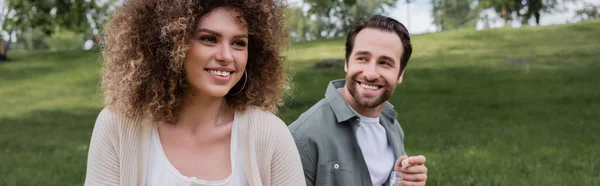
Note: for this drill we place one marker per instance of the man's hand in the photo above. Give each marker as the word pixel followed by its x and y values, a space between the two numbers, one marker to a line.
pixel 414 172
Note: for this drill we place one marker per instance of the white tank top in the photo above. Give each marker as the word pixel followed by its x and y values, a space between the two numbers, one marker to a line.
pixel 161 172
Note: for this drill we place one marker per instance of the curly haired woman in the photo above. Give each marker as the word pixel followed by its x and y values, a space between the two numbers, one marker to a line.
pixel 189 87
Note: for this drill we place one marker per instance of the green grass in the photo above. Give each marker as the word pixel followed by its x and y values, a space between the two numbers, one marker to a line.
pixel 494 107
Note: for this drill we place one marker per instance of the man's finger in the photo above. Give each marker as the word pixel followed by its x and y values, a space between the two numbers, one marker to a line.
pixel 416 169
pixel 401 158
pixel 414 177
pixel 398 163
pixel 417 160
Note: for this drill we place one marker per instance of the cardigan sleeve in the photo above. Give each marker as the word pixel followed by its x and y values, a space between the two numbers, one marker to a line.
pixel 103 160
pixel 272 151
pixel 286 167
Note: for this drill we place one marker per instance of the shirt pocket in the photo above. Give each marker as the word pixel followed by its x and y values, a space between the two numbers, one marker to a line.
pixel 338 173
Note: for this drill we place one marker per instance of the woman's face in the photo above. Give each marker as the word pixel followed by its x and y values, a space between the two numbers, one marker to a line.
pixel 218 53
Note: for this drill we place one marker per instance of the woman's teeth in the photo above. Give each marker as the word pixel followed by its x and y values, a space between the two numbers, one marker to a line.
pixel 369 87
pixel 219 73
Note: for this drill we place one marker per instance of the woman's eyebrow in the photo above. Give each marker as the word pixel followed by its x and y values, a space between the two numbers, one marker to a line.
pixel 219 34
pixel 209 31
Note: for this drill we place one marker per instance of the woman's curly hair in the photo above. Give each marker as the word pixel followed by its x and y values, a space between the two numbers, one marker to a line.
pixel 145 43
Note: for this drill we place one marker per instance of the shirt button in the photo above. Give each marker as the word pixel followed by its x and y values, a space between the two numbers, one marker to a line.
pixel 336 166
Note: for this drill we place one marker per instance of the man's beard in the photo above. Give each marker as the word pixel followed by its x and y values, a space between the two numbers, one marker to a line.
pixel 365 102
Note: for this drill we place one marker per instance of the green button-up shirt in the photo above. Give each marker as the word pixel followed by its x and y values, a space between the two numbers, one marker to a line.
pixel 326 139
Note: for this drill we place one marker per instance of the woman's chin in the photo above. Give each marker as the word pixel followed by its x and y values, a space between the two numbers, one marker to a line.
pixel 217 93
pixel 212 91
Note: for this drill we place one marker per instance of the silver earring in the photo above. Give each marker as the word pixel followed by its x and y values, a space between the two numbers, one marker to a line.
pixel 245 81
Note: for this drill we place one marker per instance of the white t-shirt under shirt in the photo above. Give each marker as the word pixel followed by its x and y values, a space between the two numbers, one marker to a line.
pixel 373 142
pixel 161 172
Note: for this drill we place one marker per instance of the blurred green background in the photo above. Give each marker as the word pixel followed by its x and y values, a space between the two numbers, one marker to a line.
pixel 498 106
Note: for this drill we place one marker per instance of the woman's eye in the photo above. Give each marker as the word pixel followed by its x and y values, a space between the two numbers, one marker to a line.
pixel 239 44
pixel 209 39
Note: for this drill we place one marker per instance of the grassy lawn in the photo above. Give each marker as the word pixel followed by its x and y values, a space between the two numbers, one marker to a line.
pixel 495 107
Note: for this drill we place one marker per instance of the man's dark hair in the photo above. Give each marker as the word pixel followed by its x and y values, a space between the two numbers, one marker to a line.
pixel 386 24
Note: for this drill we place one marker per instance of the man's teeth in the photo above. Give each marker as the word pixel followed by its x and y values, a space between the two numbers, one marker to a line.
pixel 369 87
pixel 219 73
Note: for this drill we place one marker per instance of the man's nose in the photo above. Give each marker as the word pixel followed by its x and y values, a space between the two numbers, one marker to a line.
pixel 370 72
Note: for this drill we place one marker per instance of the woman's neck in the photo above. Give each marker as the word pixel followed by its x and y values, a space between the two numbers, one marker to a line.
pixel 200 111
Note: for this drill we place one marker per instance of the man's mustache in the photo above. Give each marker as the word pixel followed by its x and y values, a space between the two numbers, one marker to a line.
pixel 378 81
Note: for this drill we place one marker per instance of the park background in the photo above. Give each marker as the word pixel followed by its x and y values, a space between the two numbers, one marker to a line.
pixel 498 92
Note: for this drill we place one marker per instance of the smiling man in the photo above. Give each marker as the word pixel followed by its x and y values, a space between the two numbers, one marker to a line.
pixel 352 137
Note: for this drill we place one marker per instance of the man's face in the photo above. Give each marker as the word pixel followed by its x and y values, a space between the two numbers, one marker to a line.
pixel 373 69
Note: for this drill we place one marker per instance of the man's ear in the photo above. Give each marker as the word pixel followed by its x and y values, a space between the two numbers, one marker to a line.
pixel 400 77
pixel 346 66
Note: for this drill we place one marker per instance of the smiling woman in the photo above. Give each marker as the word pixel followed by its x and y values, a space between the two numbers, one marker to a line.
pixel 189 86
pixel 220 35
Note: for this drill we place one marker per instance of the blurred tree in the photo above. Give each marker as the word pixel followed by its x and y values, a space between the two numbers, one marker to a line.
pixel 80 16
pixel 454 14
pixel 296 23
pixel 5 24
pixel 505 8
pixel 588 12
pixel 523 10
pixel 30 39
pixel 2 50
pixel 63 39
pixel 332 18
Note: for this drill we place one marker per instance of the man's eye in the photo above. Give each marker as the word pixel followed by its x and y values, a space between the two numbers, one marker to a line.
pixel 385 63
